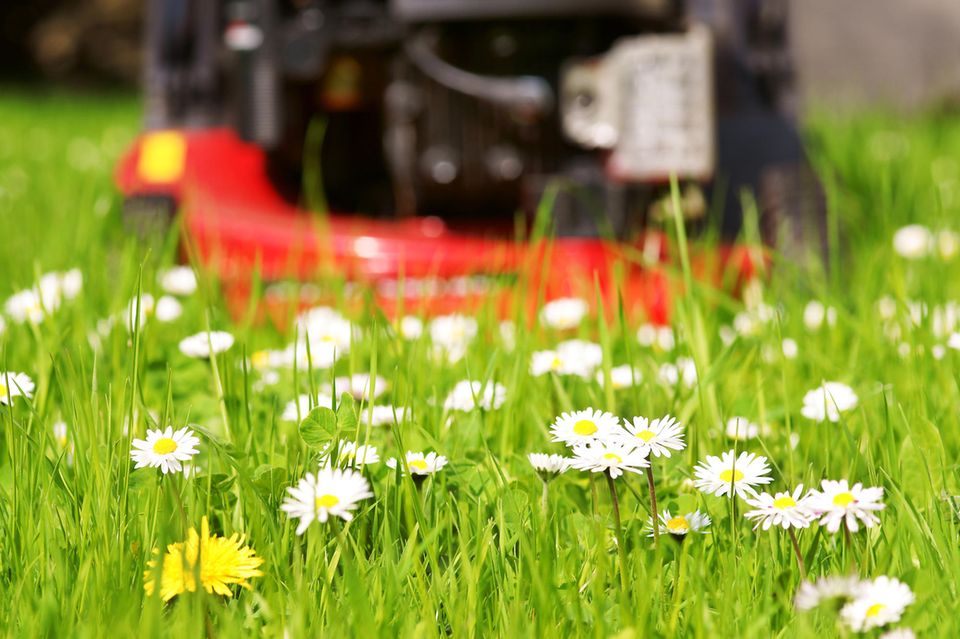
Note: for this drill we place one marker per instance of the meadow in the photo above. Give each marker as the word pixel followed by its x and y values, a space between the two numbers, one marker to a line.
pixel 97 496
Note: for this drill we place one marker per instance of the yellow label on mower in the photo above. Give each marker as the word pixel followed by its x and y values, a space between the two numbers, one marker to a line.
pixel 162 156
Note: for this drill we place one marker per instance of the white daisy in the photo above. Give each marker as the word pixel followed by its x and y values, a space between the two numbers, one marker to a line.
pixel 621 377
pixel 913 241
pixel 948 245
pixel 165 449
pixel 815 313
pixel 508 334
pixel 784 509
pixel 740 428
pixel 268 359
pixel 564 313
pixel 680 525
pixel 168 309
pixel 898 633
pixel 839 503
pixel 202 344
pixel 584 426
pixel 718 475
pixel 350 453
pixel 660 436
pixel 661 337
pixel 297 409
pixel 452 332
pixel 358 385
pixel 876 604
pixel 827 401
pixel 611 457
pixel 418 464
pixel 469 395
pixel 384 415
pixel 15 385
pixel 332 492
pixel 30 306
pixel 178 280
pixel 549 466
pixel 410 327
pixel 315 354
pixel 3 325
pixel 812 594
pixel 323 325
pixel 139 310
pixel 685 371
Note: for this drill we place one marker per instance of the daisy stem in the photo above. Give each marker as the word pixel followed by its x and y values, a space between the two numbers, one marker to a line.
pixel 796 550
pixel 653 506
pixel 621 549
pixel 545 500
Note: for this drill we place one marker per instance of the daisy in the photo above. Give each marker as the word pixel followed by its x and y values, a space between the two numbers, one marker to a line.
pixel 410 327
pixel 168 309
pixel 178 280
pixel 469 395
pixel 30 305
pixel 678 526
pixel 622 376
pixel 581 355
pixel 827 402
pixel 325 330
pixel 899 633
pixel 268 359
pixel 740 428
pixel 815 313
pixel 661 337
pixel 203 344
pixel 784 509
pixel 584 426
pixel 718 476
pixel 611 457
pixel 165 449
pixel 876 604
pixel 685 370
pixel 660 436
pixel 313 353
pixel 543 362
pixel 139 310
pixel 384 415
pixel 15 385
pixel 351 454
pixel 549 466
pixel 948 245
pixel 452 331
pixel 418 464
pixel 564 313
pixel 789 348
pixel 332 492
pixel 838 503
pixel 358 385
pixel 508 334
pixel 223 562
pixel 297 409
pixel 913 241
pixel 812 594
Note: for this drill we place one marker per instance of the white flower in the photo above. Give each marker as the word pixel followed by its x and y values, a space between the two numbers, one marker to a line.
pixel 887 307
pixel 727 335
pixel 358 385
pixel 913 241
pixel 584 426
pixel 165 449
pixel 15 385
pixel 469 395
pixel 508 334
pixel 313 353
pixel 349 453
pixel 178 280
pixel 297 409
pixel 332 492
pixel 71 283
pixel 948 245
pixel 812 594
pixel 839 503
pixel 30 306
pixel 268 359
pixel 898 633
pixel 410 327
pixel 325 329
pixel 622 376
pixel 660 436
pixel 827 402
pixel 452 331
pixel 420 464
pixel 685 370
pixel 784 509
pixel 789 347
pixel 3 325
pixel 573 357
pixel 661 337
pixel 814 314
pixel 384 415
pixel 717 476
pixel 203 344
pixel 954 341
pixel 564 313
pixel 611 457
pixel 876 604
pixel 680 525
pixel 139 309
pixel 740 428
pixel 168 309
pixel 549 465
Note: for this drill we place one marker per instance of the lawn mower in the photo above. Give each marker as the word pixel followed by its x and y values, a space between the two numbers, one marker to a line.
pixel 439 150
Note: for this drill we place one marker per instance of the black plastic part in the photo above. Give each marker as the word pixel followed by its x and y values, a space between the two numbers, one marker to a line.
pixel 148 216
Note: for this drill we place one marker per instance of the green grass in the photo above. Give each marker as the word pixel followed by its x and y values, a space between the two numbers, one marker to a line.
pixel 472 554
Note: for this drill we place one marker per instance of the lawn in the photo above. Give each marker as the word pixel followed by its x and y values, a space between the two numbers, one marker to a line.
pixel 483 546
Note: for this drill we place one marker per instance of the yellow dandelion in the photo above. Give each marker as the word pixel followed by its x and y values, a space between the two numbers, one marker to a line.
pixel 223 562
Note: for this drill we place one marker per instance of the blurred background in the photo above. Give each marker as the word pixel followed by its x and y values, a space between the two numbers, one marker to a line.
pixel 848 53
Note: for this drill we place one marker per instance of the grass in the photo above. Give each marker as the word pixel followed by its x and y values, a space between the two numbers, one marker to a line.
pixel 471 553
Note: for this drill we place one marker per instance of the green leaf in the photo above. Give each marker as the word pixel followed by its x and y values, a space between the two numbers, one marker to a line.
pixel 347 413
pixel 319 427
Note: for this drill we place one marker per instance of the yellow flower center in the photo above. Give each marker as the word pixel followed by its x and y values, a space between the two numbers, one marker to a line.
pixel 260 359
pixel 728 476
pixel 646 435
pixel 875 609
pixel 556 363
pixel 585 427
pixel 843 499
pixel 678 524
pixel 784 502
pixel 3 390
pixel 327 501
pixel 327 338
pixel 164 446
pixel 612 457
pixel 419 464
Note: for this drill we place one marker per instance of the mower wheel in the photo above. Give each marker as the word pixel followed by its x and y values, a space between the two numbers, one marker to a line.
pixel 148 216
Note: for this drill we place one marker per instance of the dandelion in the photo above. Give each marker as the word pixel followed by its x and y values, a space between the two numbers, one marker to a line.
pixel 469 395
pixel 165 449
pixel 841 504
pixel 876 604
pixel 203 344
pixel 725 474
pixel 332 492
pixel 15 385
pixel 679 526
pixel 812 594
pixel 584 426
pixel 827 401
pixel 223 562
pixel 610 457
pixel 178 280
pixel 621 377
pixel 564 313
